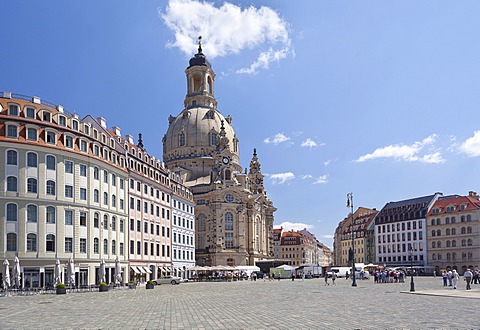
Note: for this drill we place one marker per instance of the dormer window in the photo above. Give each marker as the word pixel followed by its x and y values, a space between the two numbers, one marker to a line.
pixel 30 113
pixel 13 110
pixel 95 134
pixel 12 131
pixel 62 121
pixel 68 141
pixel 104 138
pixel 46 116
pixel 50 137
pixel 75 125
pixel 86 129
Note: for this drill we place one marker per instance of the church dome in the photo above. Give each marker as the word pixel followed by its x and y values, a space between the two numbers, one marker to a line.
pixel 194 133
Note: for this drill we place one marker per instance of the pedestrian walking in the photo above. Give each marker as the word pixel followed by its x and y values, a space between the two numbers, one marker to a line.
pixel 444 277
pixel 449 275
pixel 326 279
pixel 303 277
pixel 467 276
pixel 334 276
pixel 455 278
pixel 293 276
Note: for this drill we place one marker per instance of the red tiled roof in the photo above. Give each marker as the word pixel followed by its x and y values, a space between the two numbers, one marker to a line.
pixel 442 204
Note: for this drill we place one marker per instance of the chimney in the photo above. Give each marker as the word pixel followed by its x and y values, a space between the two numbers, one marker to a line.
pixel 473 194
pixel 102 121
pixel 129 138
pixel 116 130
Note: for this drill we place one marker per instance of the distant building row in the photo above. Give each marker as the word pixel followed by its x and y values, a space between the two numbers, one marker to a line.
pixel 432 232
pixel 296 248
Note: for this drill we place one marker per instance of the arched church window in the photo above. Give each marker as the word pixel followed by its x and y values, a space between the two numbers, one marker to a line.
pixel 197 84
pixel 181 139
pixel 213 139
pixel 228 175
pixel 210 85
pixel 201 222
pixel 228 221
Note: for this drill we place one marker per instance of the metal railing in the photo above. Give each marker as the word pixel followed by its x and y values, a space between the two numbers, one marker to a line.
pixel 8 95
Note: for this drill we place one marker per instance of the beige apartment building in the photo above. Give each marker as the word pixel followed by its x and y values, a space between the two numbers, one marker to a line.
pixel 453 233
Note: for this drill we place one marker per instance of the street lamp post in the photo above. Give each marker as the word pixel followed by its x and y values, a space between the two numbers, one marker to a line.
pixel 412 284
pixel 350 204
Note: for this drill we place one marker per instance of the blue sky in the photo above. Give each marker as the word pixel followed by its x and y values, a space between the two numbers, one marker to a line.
pixel 372 97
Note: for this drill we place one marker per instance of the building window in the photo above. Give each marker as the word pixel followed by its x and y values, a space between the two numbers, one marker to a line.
pixel 181 140
pixel 32 134
pixel 32 185
pixel 68 191
pixel 32 159
pixel 83 245
pixel 12 131
pixel 68 142
pixel 228 221
pixel 114 201
pixel 68 244
pixel 12 212
pixel 105 198
pixel 83 170
pixel 12 157
pixel 50 214
pixel 62 121
pixel 122 226
pixel 114 247
pixel 68 167
pixel 114 224
pixel 46 116
pixel 83 219
pixel 214 139
pixel 114 180
pixel 50 137
pixel 96 195
pixel 32 213
pixel 51 163
pixel 68 217
pixel 105 222
pixel 30 113
pixel 83 194
pixel 95 245
pixel 11 242
pixel 50 187
pixel 105 246
pixel 96 217
pixel 83 146
pixel 50 243
pixel 31 242
pixel 12 183
pixel 13 110
pixel 96 173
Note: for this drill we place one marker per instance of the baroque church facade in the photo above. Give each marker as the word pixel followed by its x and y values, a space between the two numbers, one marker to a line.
pixel 233 217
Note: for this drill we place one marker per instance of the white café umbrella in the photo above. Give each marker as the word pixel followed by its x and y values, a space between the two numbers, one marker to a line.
pixel 16 272
pixel 6 274
pixel 57 273
pixel 101 271
pixel 71 271
pixel 118 272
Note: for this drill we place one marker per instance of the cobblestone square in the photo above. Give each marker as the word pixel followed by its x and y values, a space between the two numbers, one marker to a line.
pixel 262 304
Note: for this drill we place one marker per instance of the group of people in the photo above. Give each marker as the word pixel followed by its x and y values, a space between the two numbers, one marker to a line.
pixel 452 277
pixel 389 276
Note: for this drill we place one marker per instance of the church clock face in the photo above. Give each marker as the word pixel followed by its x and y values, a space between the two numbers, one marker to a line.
pixel 225 160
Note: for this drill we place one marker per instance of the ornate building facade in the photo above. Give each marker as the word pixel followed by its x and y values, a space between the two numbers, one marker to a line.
pixel 234 217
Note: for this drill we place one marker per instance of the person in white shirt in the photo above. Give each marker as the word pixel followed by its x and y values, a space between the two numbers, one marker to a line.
pixel 467 276
pixel 455 278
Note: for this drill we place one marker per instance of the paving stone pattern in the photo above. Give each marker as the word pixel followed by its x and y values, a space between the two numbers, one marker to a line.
pixel 262 304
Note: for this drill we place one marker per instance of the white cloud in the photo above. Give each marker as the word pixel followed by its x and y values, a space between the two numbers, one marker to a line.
pixel 327 236
pixel 228 29
pixel 306 176
pixel 279 138
pixel 281 178
pixel 289 226
pixel 409 153
pixel 327 162
pixel 471 146
pixel 309 143
pixel 321 179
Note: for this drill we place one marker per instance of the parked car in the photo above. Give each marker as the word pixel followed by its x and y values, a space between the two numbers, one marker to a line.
pixel 168 280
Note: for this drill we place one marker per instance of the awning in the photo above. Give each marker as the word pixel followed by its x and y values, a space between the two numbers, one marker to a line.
pixel 164 269
pixel 135 270
pixel 141 269
pixel 147 269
